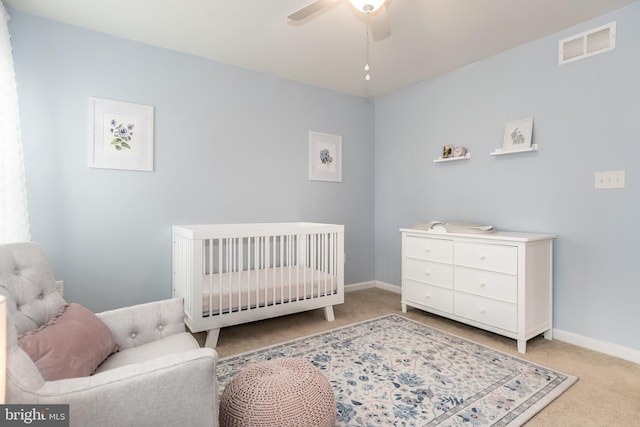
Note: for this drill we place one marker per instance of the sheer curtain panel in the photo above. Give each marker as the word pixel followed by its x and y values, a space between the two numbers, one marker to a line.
pixel 14 218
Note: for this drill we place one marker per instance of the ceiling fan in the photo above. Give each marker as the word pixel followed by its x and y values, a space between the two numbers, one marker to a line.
pixel 375 10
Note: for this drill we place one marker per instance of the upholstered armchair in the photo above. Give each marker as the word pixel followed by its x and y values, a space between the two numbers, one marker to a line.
pixel 157 376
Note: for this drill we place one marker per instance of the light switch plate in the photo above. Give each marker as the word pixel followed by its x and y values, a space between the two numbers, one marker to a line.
pixel 609 179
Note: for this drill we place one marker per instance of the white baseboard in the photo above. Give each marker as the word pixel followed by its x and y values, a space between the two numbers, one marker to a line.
pixel 611 349
pixel 359 286
pixel 388 287
pixel 372 284
pixel 604 347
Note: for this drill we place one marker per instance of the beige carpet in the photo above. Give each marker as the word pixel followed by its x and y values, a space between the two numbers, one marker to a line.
pixel 606 394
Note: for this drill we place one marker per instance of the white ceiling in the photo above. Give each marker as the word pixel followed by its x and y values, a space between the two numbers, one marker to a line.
pixel 428 37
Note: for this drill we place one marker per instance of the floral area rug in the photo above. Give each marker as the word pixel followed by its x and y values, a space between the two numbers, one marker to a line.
pixel 393 371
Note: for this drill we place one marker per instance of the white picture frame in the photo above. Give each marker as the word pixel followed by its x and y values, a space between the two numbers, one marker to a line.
pixel 325 157
pixel 120 135
pixel 517 135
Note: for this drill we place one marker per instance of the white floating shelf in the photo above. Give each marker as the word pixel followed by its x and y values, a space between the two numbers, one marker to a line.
pixel 501 152
pixel 452 159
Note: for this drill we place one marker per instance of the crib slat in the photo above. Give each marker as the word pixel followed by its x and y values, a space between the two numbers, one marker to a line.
pixel 256 261
pixel 315 263
pixel 334 258
pixel 323 260
pixel 265 261
pixel 248 268
pixel 289 262
pixel 280 267
pixel 299 261
pixel 208 285
pixel 306 262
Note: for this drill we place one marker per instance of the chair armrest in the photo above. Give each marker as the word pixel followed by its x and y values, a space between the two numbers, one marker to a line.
pixel 140 324
pixel 176 389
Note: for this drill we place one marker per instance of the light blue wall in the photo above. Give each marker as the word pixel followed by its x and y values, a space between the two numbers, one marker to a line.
pixel 108 231
pixel 586 117
pixel 230 146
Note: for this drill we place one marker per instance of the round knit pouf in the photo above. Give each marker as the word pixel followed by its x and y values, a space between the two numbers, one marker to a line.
pixel 280 392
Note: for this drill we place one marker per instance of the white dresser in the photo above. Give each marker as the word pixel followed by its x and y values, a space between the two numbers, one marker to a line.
pixel 501 282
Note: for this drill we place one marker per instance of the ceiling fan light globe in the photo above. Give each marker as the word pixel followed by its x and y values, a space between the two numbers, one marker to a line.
pixel 367 6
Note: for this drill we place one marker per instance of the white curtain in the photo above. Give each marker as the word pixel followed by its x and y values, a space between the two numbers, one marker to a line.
pixel 14 218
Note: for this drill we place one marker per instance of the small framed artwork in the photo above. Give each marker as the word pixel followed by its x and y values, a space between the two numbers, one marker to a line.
pixel 120 135
pixel 517 135
pixel 447 151
pixel 325 157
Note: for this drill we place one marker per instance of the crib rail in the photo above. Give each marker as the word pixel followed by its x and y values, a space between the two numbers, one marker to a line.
pixel 228 272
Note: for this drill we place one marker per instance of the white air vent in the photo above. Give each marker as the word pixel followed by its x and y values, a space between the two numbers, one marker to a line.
pixel 589 43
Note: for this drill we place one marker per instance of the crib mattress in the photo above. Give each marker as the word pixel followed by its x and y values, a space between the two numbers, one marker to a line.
pixel 243 290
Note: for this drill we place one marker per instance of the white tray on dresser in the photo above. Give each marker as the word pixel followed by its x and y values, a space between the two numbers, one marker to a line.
pixel 501 282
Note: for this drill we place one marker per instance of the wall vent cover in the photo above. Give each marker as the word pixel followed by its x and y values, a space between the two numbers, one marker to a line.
pixel 589 43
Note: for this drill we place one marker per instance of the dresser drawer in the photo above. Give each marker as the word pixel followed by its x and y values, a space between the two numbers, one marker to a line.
pixel 429 296
pixel 429 272
pixel 491 312
pixel 439 250
pixel 500 286
pixel 500 258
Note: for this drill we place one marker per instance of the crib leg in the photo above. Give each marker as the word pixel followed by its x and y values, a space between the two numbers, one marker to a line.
pixel 328 313
pixel 212 338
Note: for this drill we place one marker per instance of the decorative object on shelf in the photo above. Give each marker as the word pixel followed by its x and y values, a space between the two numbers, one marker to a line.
pixel 325 157
pixel 121 135
pixel 454 227
pixel 459 151
pixel 517 135
pixel 447 151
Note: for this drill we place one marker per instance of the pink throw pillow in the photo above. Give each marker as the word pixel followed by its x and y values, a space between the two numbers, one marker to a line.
pixel 70 345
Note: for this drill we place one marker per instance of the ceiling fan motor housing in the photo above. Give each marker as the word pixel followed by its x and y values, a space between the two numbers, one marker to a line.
pixel 367 6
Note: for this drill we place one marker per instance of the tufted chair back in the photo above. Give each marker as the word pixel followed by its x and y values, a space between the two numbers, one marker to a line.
pixel 27 281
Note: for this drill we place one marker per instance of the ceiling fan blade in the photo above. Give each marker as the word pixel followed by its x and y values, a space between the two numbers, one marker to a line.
pixel 379 23
pixel 310 9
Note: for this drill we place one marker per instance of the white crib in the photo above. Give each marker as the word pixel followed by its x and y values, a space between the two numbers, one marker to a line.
pixel 229 274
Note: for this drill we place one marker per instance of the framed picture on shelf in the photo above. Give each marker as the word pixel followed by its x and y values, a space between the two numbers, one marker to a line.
pixel 517 135
pixel 447 151
pixel 325 157
pixel 120 135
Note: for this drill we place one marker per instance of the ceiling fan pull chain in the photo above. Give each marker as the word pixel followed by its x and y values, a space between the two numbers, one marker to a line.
pixel 366 65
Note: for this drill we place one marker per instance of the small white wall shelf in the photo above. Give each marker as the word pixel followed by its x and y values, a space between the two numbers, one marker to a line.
pixel 452 159
pixel 501 152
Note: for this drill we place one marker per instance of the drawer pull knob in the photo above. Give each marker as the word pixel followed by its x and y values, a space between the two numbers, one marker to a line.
pixel 427 250
pixel 483 284
pixel 427 296
pixel 483 310
pixel 427 273
pixel 482 257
